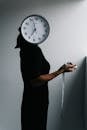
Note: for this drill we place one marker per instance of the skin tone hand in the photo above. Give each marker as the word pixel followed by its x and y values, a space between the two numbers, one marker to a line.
pixel 69 67
pixel 40 80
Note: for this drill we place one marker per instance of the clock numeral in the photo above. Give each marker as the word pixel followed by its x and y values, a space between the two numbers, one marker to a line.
pixel 31 19
pixel 25 33
pixel 29 37
pixel 39 38
pixel 43 35
pixel 33 39
pixel 36 18
pixel 24 28
pixel 27 23
pixel 44 25
pixel 46 31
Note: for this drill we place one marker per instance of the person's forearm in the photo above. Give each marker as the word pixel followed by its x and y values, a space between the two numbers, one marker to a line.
pixel 48 77
pixel 40 80
pixel 56 73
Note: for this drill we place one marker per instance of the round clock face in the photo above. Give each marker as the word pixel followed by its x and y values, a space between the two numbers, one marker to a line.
pixel 35 29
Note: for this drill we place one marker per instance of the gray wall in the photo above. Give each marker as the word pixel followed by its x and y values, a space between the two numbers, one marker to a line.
pixel 67 42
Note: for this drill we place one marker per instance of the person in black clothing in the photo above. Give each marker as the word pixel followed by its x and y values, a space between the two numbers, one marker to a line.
pixel 35 73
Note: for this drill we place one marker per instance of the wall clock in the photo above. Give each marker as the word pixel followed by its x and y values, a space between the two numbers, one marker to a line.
pixel 35 29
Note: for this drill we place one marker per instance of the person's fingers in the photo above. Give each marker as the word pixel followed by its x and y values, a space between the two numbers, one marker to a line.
pixel 75 67
pixel 69 63
pixel 71 69
pixel 72 66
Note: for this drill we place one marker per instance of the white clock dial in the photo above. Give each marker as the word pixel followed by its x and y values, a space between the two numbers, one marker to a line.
pixel 35 29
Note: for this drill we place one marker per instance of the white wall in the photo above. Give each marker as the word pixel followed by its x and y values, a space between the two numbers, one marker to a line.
pixel 67 42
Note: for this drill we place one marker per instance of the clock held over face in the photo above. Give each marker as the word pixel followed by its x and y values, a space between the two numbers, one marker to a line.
pixel 35 29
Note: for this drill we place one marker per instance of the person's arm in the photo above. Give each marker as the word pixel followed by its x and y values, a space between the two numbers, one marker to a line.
pixel 40 80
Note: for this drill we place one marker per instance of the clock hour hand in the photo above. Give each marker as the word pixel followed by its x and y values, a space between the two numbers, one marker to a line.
pixel 34 28
pixel 33 31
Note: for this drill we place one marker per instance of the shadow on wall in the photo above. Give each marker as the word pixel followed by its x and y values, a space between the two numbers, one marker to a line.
pixel 73 112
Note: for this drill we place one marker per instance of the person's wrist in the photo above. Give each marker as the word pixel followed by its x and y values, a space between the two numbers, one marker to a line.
pixel 62 70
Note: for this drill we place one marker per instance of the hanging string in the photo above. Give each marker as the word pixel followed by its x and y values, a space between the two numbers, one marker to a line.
pixel 63 87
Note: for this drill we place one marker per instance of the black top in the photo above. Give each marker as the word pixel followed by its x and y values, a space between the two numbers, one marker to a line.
pixel 33 64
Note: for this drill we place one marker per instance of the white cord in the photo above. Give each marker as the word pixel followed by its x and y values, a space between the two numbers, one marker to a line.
pixel 63 87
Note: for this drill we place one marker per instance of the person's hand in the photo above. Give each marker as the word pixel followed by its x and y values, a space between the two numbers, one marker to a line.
pixel 69 67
